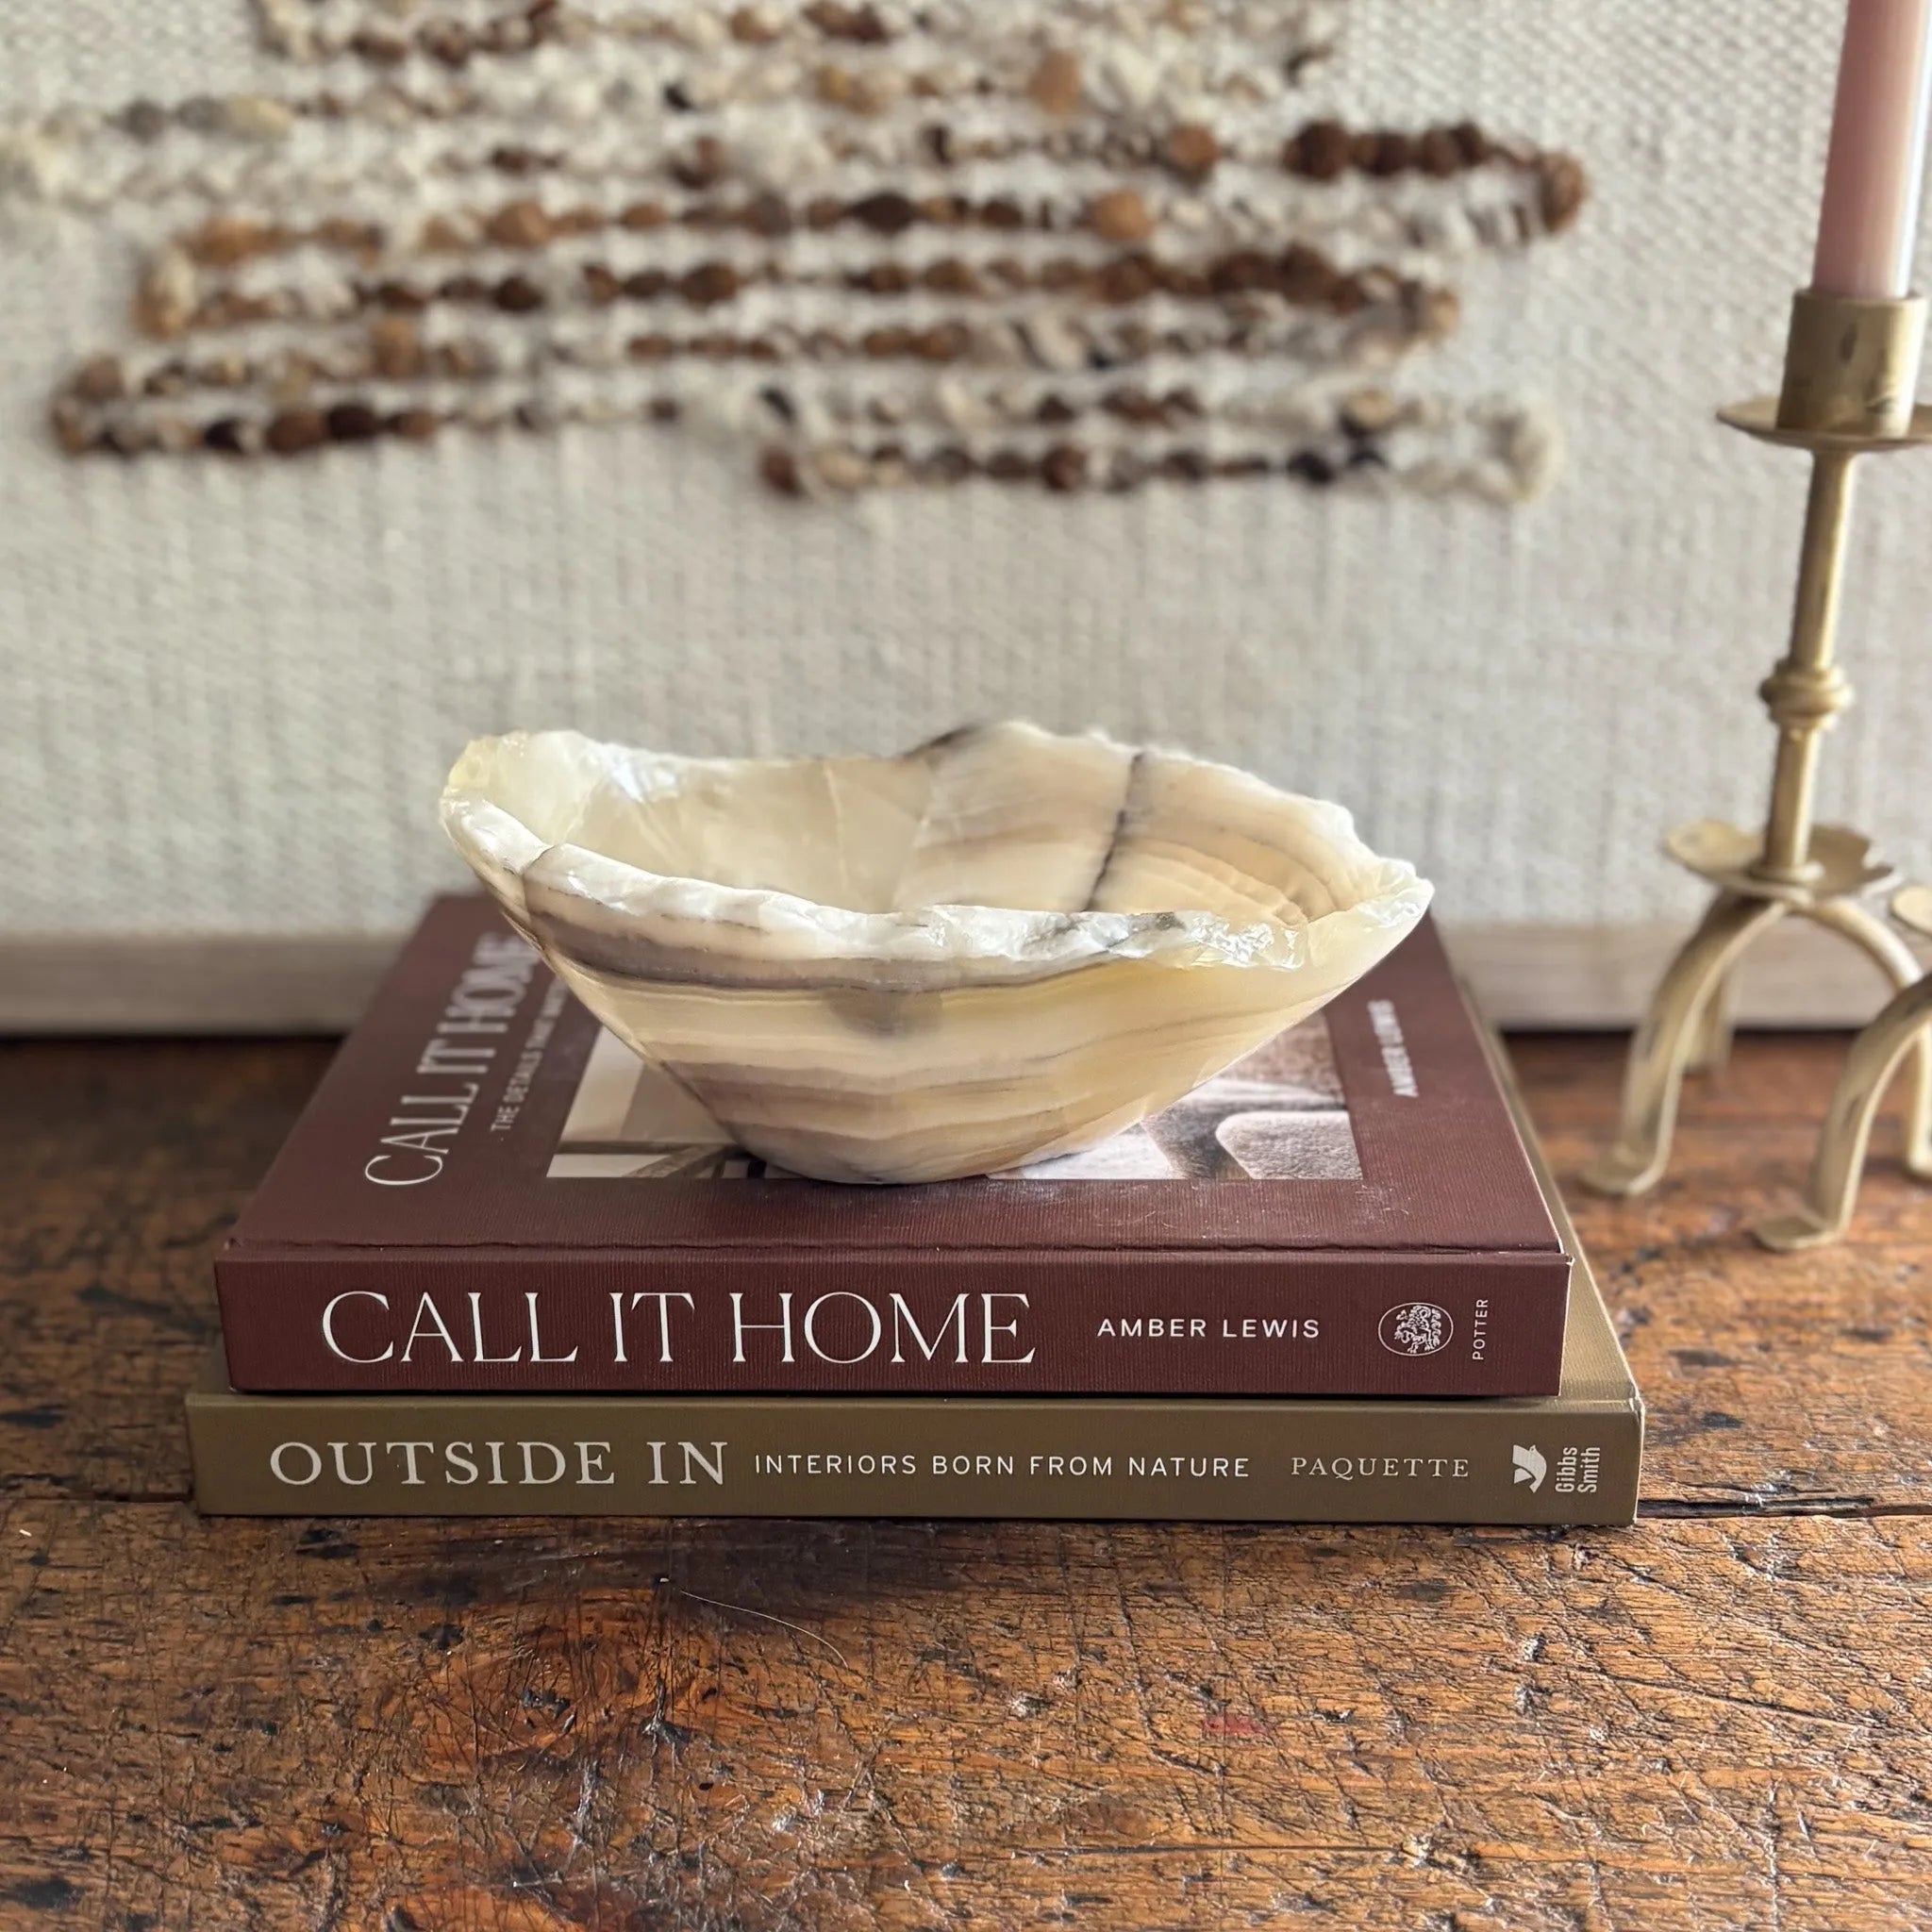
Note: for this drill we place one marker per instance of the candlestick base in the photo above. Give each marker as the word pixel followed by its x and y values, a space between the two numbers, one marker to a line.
pixel 1846 1138
pixel 1685 1029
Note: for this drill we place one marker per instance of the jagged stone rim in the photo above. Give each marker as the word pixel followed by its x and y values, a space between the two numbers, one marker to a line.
pixel 774 936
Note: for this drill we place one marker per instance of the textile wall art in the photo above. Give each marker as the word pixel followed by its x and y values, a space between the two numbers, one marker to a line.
pixel 1066 245
pixel 1321 385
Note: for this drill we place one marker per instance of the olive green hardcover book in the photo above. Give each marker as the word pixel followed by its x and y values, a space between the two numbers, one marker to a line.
pixel 1573 1457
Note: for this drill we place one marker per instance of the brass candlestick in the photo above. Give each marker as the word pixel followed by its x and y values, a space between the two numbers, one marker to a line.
pixel 1851 373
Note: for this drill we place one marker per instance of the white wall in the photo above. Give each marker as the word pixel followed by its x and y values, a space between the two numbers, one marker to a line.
pixel 227 693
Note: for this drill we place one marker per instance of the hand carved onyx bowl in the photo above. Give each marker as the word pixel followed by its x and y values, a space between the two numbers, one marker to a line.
pixel 1002 946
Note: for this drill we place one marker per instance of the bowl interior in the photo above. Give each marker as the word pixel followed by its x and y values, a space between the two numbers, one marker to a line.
pixel 1002 816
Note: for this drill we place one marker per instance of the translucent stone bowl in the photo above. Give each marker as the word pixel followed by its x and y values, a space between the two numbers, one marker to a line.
pixel 1002 946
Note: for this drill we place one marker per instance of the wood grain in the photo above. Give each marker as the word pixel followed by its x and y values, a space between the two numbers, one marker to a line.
pixel 1719 1718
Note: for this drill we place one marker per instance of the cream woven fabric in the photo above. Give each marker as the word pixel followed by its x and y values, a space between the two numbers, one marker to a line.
pixel 228 693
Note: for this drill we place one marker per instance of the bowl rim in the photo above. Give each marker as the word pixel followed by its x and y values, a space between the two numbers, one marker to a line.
pixel 532 878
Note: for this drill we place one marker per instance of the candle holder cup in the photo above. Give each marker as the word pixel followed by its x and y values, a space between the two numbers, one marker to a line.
pixel 1850 379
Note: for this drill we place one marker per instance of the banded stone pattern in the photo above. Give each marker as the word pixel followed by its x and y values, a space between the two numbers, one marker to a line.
pixel 1071 244
pixel 1278 1114
pixel 1005 946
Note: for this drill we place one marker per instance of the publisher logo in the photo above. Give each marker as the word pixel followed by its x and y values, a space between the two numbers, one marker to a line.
pixel 1416 1328
pixel 1531 1465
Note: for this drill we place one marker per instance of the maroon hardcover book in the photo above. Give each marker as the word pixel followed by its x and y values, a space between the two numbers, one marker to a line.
pixel 488 1192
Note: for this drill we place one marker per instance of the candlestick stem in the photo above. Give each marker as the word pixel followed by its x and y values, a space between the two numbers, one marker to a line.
pixel 1807 690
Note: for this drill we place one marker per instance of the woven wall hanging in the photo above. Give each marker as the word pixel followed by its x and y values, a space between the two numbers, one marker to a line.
pixel 1070 244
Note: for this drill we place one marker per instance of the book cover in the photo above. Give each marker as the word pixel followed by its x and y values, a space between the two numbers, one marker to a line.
pixel 1572 1458
pixel 488 1192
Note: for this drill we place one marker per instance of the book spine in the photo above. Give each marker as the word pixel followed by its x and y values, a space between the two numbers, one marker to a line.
pixel 1023 1322
pixel 601 1456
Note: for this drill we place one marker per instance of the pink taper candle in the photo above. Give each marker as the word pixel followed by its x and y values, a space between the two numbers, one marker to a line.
pixel 1869 216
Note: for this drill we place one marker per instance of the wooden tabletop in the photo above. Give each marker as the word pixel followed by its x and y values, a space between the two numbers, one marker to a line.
pixel 1718 1718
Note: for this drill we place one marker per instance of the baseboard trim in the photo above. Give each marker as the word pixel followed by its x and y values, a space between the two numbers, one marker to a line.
pixel 1526 976
pixel 189 983
pixel 1555 976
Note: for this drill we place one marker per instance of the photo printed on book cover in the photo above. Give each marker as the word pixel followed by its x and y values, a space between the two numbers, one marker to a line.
pixel 1279 1115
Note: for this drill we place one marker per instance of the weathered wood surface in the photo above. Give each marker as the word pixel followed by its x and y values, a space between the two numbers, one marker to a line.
pixel 1719 1718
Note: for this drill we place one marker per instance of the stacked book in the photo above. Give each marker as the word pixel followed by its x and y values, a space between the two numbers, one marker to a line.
pixel 503 1266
